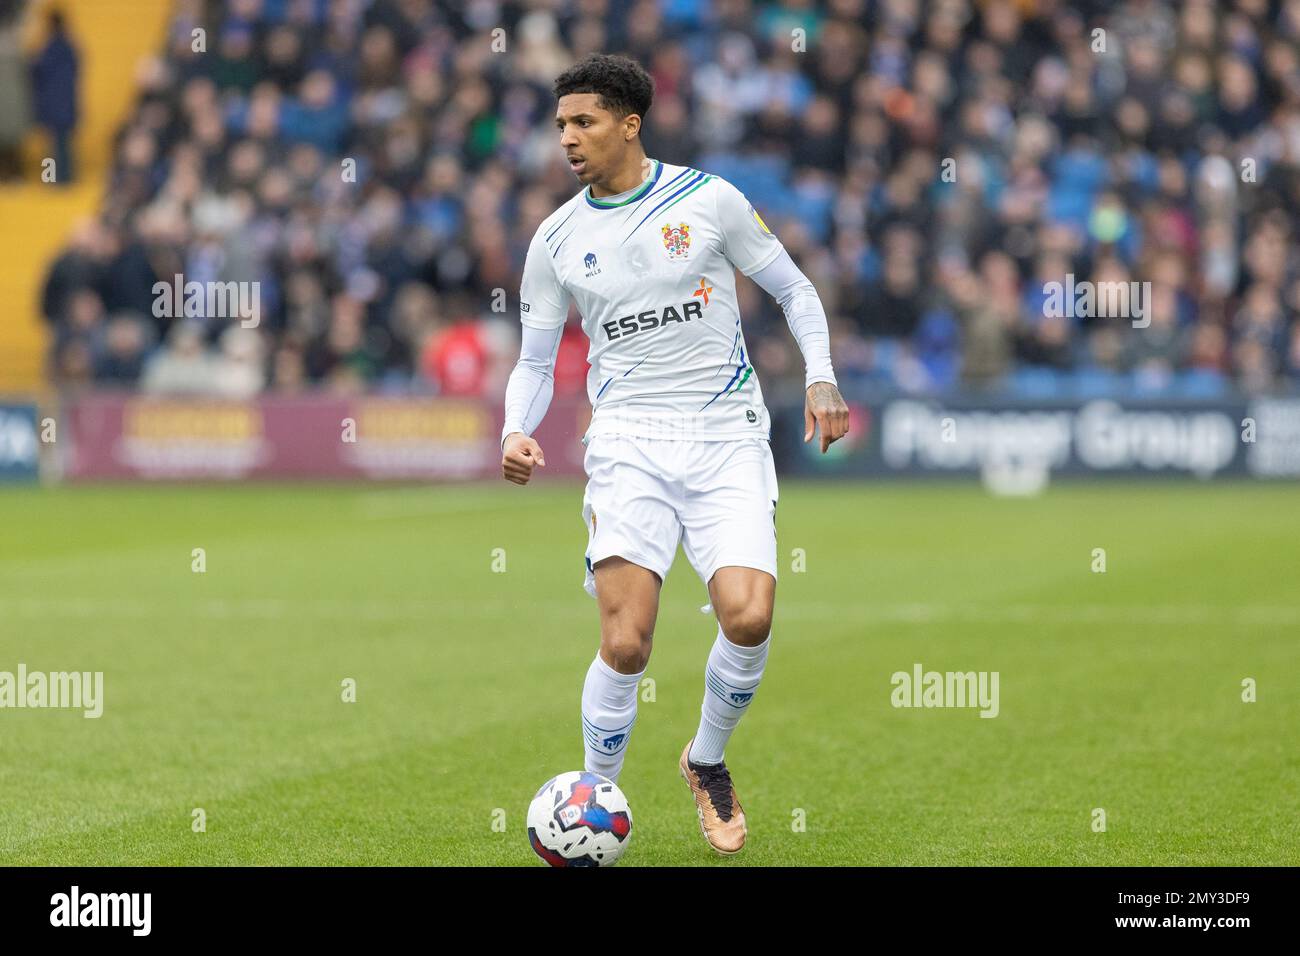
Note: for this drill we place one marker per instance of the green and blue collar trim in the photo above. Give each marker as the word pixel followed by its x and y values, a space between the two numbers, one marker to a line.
pixel 636 195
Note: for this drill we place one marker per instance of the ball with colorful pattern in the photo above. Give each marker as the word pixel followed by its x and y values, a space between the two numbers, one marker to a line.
pixel 579 818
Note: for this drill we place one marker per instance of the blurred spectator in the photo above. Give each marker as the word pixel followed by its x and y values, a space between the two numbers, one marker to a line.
pixel 238 369
pixel 14 112
pixel 456 358
pixel 54 91
pixel 184 367
pixel 127 339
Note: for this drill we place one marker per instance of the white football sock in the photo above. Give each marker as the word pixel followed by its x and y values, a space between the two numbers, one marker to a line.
pixel 608 713
pixel 730 679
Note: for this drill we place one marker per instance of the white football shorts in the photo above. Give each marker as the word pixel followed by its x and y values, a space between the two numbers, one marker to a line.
pixel 644 495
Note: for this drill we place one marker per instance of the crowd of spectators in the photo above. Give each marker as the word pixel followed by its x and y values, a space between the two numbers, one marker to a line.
pixel 379 167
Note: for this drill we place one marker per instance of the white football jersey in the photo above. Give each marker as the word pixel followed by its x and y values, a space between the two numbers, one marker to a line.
pixel 652 272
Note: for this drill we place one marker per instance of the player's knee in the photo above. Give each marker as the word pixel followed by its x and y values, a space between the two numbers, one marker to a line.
pixel 626 630
pixel 627 650
pixel 746 624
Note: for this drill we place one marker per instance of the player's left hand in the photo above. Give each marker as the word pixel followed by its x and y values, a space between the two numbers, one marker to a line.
pixel 824 407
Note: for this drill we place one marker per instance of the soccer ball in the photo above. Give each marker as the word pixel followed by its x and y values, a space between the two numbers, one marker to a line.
pixel 579 819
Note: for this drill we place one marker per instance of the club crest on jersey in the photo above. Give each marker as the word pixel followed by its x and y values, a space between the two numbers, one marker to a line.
pixel 589 260
pixel 677 240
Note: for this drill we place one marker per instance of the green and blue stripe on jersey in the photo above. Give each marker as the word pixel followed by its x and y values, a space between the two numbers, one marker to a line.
pixel 742 373
pixel 742 370
pixel 694 179
pixel 666 195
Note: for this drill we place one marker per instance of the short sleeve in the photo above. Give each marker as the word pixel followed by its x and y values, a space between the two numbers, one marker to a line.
pixel 746 241
pixel 543 301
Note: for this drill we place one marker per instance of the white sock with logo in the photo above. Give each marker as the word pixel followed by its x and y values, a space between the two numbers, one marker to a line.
pixel 730 679
pixel 608 713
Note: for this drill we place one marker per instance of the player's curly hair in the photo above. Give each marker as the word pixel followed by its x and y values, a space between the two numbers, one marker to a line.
pixel 620 82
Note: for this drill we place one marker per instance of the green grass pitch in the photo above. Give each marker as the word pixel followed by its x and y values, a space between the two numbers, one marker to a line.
pixel 223 690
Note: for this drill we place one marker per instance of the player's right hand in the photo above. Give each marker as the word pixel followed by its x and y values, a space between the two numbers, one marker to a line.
pixel 519 454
